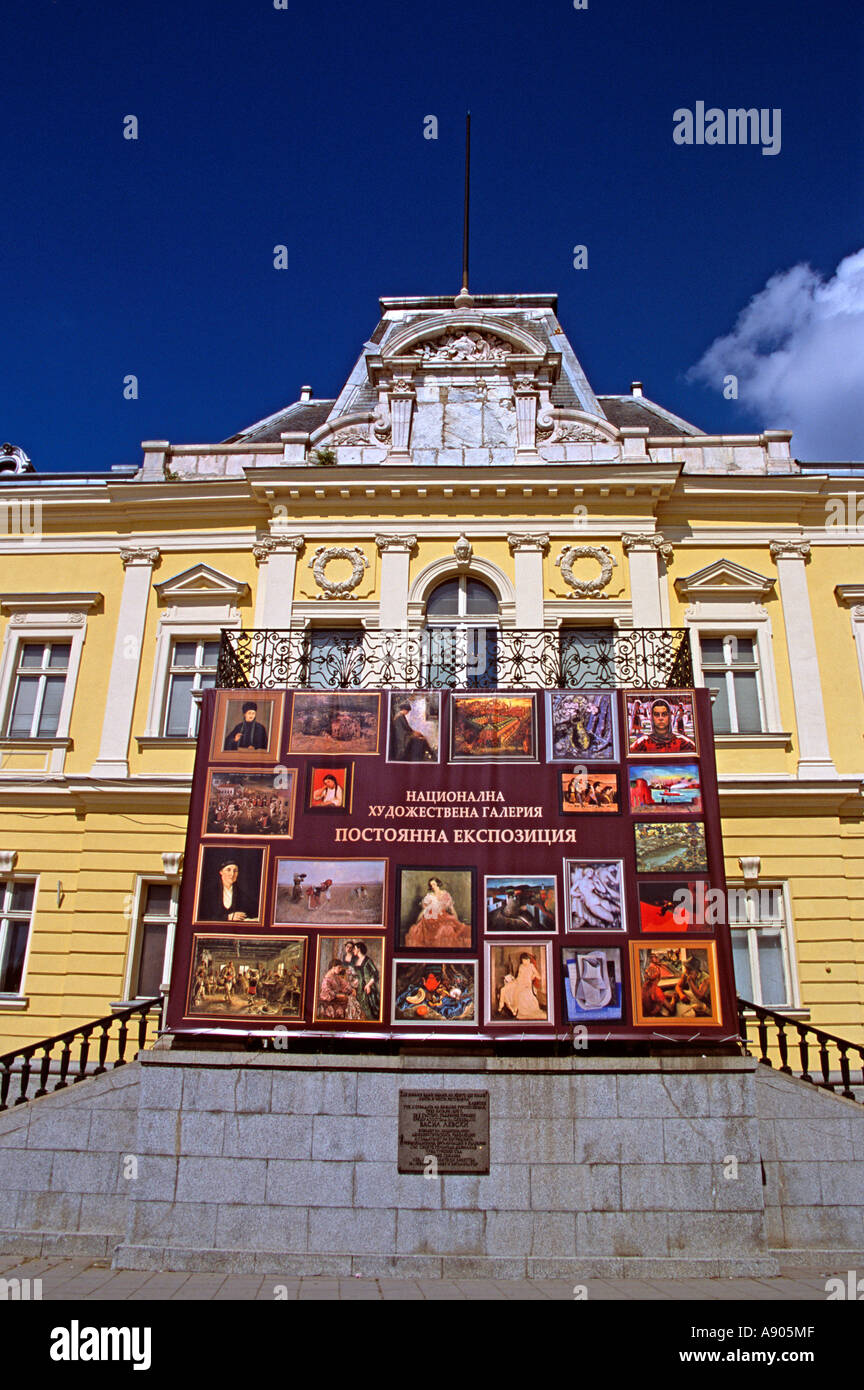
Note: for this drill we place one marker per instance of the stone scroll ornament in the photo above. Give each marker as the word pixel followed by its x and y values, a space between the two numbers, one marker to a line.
pixel 604 557
pixel 338 588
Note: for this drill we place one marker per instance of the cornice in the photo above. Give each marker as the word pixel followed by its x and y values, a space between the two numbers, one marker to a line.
pixel 84 794
pixel 755 796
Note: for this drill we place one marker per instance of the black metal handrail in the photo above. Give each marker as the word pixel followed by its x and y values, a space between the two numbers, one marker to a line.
pixel 20 1062
pixel 461 656
pixel 808 1038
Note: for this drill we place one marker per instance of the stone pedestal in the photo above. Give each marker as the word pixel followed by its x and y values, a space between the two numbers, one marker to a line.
pixel 624 1167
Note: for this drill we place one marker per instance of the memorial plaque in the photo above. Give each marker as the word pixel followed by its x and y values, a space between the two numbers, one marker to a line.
pixel 449 1127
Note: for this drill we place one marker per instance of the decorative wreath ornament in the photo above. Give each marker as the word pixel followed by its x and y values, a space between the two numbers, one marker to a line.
pixel 600 553
pixel 338 588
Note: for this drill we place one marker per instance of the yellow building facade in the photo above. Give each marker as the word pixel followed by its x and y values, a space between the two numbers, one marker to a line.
pixel 465 481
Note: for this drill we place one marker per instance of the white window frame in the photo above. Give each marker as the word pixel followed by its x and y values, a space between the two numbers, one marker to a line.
pixel 740 620
pixel 461 623
pixel 19 1000
pixel 195 671
pixel 787 937
pixel 41 673
pixel 729 668
pixel 136 934
pixel 186 628
pixel 41 618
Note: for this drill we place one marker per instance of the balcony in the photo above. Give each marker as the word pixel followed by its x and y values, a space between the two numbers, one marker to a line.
pixel 461 657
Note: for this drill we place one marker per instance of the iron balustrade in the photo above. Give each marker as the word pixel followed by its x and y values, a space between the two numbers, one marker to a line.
pixel 20 1063
pixel 456 658
pixel 811 1043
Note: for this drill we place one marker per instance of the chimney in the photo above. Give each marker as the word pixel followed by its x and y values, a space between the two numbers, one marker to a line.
pixel 305 393
pixel 635 388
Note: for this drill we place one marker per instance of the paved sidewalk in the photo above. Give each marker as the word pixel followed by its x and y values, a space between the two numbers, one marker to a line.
pixel 82 1279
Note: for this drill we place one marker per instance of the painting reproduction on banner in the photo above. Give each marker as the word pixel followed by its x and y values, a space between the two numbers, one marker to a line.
pixel 659 787
pixel 581 726
pixel 334 721
pixel 414 726
pixel 661 723
pixel 670 847
pixel 593 989
pixel 521 902
pixel 434 991
pixel 330 892
pixel 583 790
pixel 435 909
pixel 669 907
pixel 329 788
pixel 493 728
pixel 517 981
pixel 595 895
pixel 247 977
pixel 247 803
pixel 230 884
pixel 247 728
pixel 674 983
pixel 349 979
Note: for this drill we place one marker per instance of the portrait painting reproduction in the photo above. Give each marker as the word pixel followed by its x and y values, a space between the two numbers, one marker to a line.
pixel 435 909
pixel 493 728
pixel 517 983
pixel 595 895
pixel 246 727
pixel 338 721
pixel 656 788
pixel 583 790
pixel 661 722
pixel 581 726
pixel 247 977
pixel 230 884
pixel 329 787
pixel 434 991
pixel 675 984
pixel 413 726
pixel 521 902
pixel 593 989
pixel 670 847
pixel 330 892
pixel 349 979
pixel 244 803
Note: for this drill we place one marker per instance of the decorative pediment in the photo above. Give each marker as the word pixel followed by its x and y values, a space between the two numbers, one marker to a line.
pixel 201 584
pixel 725 580
pixel 469 340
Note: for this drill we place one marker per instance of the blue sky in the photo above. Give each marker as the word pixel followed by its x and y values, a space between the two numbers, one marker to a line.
pixel 304 126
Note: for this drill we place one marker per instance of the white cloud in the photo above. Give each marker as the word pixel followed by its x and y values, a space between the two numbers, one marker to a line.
pixel 797 350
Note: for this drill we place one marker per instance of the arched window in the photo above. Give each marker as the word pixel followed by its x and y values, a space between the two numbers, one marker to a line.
pixel 462 634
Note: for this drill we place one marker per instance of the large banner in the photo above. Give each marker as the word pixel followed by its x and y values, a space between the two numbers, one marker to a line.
pixel 465 865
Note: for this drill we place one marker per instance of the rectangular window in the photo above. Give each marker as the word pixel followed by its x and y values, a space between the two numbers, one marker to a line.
pixel 193 667
pixel 760 945
pixel 154 939
pixel 730 665
pixel 16 918
pixel 40 680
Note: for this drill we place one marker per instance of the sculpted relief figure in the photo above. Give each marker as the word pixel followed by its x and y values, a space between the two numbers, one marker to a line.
pixel 464 346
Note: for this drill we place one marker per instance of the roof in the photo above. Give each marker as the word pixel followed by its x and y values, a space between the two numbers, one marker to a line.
pixel 302 417
pixel 634 412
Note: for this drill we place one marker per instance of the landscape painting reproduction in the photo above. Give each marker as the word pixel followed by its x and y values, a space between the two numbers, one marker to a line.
pixel 668 847
pixel 520 903
pixel 657 787
pixel 677 984
pixel 595 895
pixel 434 991
pixel 340 722
pixel 250 803
pixel 247 977
pixel 330 892
pixel 413 726
pixel 581 726
pixel 518 983
pixel 492 728
pixel 348 979
pixel 592 983
pixel 661 722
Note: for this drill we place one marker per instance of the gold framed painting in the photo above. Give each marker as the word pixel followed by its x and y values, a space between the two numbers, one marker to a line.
pixel 675 984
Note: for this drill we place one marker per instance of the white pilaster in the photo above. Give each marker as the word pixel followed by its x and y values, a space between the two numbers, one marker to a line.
pixel 644 552
pixel 814 754
pixel 113 758
pixel 277 568
pixel 395 552
pixel 528 551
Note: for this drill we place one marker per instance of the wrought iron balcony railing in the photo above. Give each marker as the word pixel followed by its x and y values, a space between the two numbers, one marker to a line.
pixel 456 658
